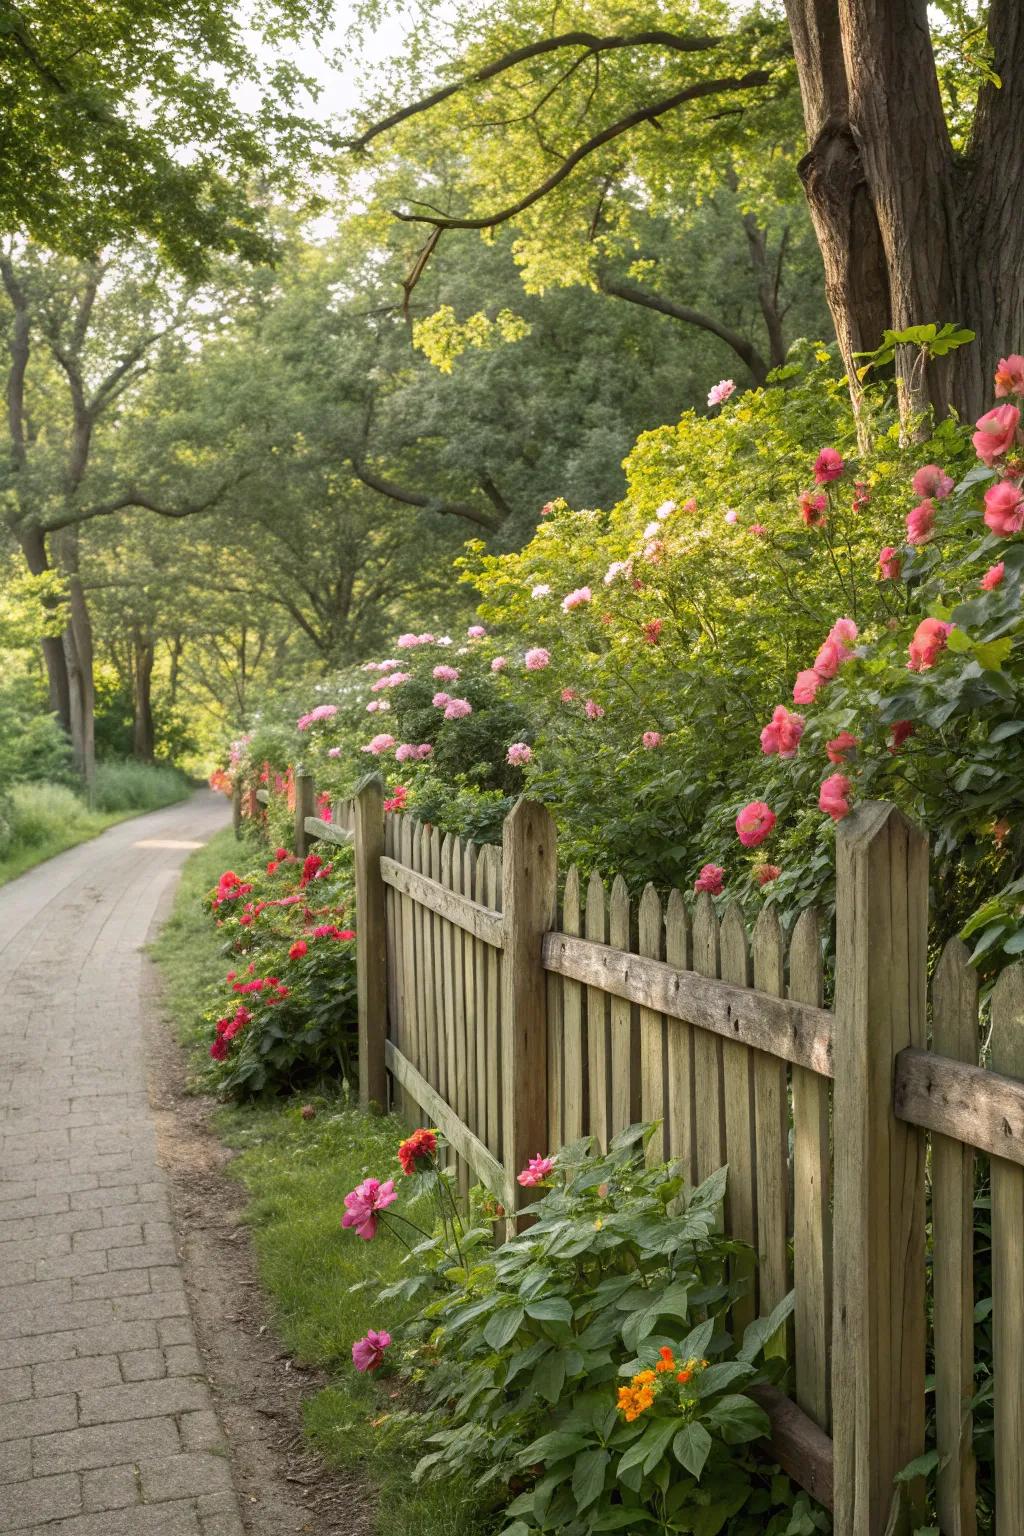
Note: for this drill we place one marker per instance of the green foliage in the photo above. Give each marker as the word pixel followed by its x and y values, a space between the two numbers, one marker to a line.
pixel 129 786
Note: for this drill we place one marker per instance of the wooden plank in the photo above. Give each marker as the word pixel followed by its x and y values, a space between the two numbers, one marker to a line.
pixel 426 966
pixel 394 953
pixel 437 972
pixel 707 1049
pixel 954 1033
pixel 574 1040
pixel 446 935
pixel 983 1109
pixel 371 943
pixel 650 934
pixel 792 1031
pixel 801 1449
pixel 812 1206
pixel 681 1130
pixel 410 1020
pixel 488 867
pixel 878 1333
pixel 771 1135
pixel 320 831
pixel 738 1110
pixel 474 1056
pixel 598 1073
pixel 1007 1051
pixel 480 920
pixel 455 938
pixel 487 1168
pixel 556 1057
pixel 305 801
pixel 624 1031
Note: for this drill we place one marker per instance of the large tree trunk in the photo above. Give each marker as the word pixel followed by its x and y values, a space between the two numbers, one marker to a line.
pixel 33 545
pixel 78 655
pixel 143 735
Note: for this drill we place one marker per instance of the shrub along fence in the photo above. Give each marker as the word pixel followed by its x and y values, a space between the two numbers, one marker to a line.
pixel 515 1019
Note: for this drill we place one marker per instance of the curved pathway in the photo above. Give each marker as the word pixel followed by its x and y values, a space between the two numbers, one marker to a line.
pixel 107 1425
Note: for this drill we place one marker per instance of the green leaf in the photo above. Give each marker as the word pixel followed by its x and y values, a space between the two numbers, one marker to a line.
pixel 959 640
pixel 549 1377
pixel 919 1467
pixel 691 1447
pixel 552 1447
pixel 550 1309
pixel 738 1419
pixel 503 1326
pixel 992 653
pixel 588 1477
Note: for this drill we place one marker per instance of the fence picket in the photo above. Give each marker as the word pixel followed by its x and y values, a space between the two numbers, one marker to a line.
pixel 434 926
pixel 623 1021
pixel 812 1207
pixel 458 1014
pixel 771 1126
pixel 707 1050
pixel 652 1032
pixel 574 1069
pixel 393 941
pixel 1008 1267
pixel 488 865
pixel 411 1038
pixel 738 1101
pixel 681 1120
pixel 446 933
pixel 475 1089
pixel 599 1077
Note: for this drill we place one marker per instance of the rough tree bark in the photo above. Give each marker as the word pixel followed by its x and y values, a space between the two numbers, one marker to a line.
pixel 143 652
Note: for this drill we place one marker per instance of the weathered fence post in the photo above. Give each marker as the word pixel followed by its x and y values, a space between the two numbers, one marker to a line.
pixel 529 896
pixel 236 807
pixel 371 944
pixel 878 1340
pixel 305 795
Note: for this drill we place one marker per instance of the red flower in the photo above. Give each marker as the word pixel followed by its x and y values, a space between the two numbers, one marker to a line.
pixel 281 853
pixel 812 508
pixel 828 466
pixel 345 933
pixel 652 631
pixel 899 733
pixel 422 1144
pixel 764 874
pixel 839 746
pixel 219 1049
pixel 298 949
pixel 272 867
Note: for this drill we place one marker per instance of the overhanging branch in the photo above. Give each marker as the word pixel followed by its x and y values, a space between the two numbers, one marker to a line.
pixel 744 349
pixel 417 499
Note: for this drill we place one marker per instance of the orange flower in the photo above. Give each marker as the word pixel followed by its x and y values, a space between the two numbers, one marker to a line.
pixel 643 1378
pixel 683 1376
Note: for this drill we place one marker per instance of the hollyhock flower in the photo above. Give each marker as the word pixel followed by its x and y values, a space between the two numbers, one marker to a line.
pixel 890 563
pixel 537 659
pixel 379 744
pixel 996 432
pixel 457 709
pixel 368 1352
pixel 828 466
pixel 499 663
pixel 720 392
pixel 363 1203
pixel 929 640
pixel 806 686
pixel 423 750
pixel 541 590
pixel 840 746
pixel 576 599
pixel 652 631
pixel 932 481
pixel 616 569
pixel 1010 375
pixel 568 695
pixel 536 1169
pixel 593 711
pixel 899 733
pixel 475 632
pixel 219 1049
pixel 921 523
pixel 812 508
pixel 417 1148
pixel 754 823
pixel 518 754
pixel 782 733
pixel 732 516
pixel 665 510
pixel 993 576
pixel 651 739
pixel 710 879
pixel 834 796
pixel 1004 508
pixel 446 674
pixel 764 874
pixel 440 700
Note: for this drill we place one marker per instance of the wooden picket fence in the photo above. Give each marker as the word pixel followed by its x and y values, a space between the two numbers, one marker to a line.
pixel 517 1012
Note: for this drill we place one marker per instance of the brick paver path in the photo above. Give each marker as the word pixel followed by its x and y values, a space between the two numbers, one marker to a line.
pixel 106 1421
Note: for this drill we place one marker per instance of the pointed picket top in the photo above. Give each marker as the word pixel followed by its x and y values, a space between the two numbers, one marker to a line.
pixel 618 926
pixel 596 919
pixel 705 936
pixel 678 934
pixel 734 948
pixel 806 977
pixel 571 902
pixel 1007 1037
pixel 768 952
pixel 649 921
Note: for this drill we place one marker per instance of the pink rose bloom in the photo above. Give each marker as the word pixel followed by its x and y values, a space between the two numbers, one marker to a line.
pixel 782 733
pixel 363 1204
pixel 536 1169
pixel 476 632
pixel 899 733
pixel 929 640
pixel 840 746
pixel 378 745
pixel 764 874
pixel 518 754
pixel 930 480
pixel 367 1353
pixel 541 590
pixel 446 674
pixel 844 632
pixel 499 663
pixel 720 392
pixel 1004 508
pixel 996 432
pixel 537 659
pixel 993 576
pixel 806 686
pixel 576 599
pixel 1010 375
pixel 593 711
pixel 651 739
pixel 440 700
pixel 890 563
pixel 568 694
pixel 710 879
pixel 828 466
pixel 406 753
pixel 920 523
pixel 828 660
pixel 732 516
pixel 812 508
pixel 834 796
pixel 423 750
pixel 333 751
pixel 754 823
pixel 457 709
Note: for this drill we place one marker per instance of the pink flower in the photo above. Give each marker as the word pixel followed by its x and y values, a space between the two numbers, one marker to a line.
pixel 899 733
pixel 839 747
pixel 996 432
pixel 424 750
pixel 828 466
pixel 665 510
pixel 375 706
pixel 616 569
pixel 833 797
pixel 720 392
pixel 890 563
pixel 333 751
pixel 844 632
pixel 368 1352
pixel 393 680
pixel 475 632
pixel 765 873
pixel 440 700
pixel 547 509
pixel 379 744
pixel 710 879
pixel 828 659
pixel 568 695
pixel 930 480
pixel 652 631
pixel 812 508
pixel 446 674
pixel 406 753
pixel 758 530
pixel 921 522
pixel 993 576
pixel 782 733
pixel 541 590
pixel 806 686
pixel 754 823
pixel 732 516
pixel 457 709
pixel 652 739
pixel 406 642
pixel 536 1169
pixel 929 640
pixel 322 712
pixel 363 1203
pixel 1010 375
pixel 861 495
pixel 537 659
pixel 499 663
pixel 593 711
pixel 1004 508
pixel 654 550
pixel 518 754
pixel 576 599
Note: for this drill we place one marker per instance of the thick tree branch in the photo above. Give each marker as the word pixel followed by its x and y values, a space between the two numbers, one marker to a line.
pixel 676 42
pixel 142 500
pixel 744 349
pixel 418 499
